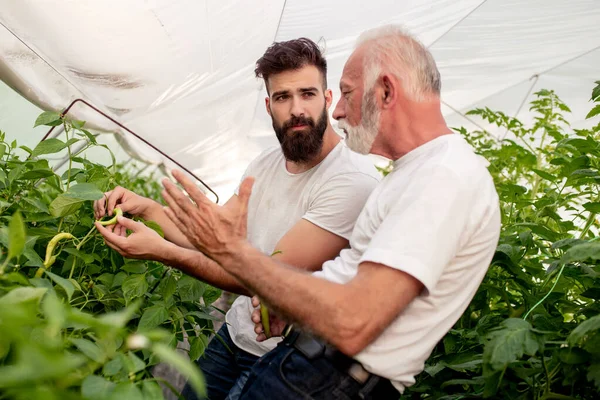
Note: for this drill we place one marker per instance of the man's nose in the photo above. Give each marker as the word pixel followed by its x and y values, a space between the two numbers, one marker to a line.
pixel 338 112
pixel 297 107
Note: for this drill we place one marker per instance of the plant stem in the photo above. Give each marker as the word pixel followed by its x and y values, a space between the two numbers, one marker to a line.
pixel 546 372
pixel 538 179
pixel 4 264
pixel 547 294
pixel 82 242
pixel 70 156
pixel 590 221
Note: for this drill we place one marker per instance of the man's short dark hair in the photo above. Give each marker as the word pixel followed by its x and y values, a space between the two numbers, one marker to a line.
pixel 290 55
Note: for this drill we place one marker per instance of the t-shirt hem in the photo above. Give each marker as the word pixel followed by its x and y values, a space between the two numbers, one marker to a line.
pixel 322 226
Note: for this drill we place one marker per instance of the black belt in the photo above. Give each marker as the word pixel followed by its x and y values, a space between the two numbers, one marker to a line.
pixel 313 347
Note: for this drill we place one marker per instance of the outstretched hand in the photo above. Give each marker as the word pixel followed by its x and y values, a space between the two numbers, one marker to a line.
pixel 212 229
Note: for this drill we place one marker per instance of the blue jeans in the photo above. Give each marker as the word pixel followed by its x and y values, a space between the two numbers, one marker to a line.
pixel 285 373
pixel 225 367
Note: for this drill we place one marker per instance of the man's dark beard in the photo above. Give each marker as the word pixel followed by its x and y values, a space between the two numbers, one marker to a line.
pixel 299 146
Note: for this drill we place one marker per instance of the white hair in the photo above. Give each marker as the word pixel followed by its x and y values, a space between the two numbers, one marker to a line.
pixel 393 49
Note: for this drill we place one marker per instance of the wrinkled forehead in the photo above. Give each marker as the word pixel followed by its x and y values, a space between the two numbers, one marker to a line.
pixel 354 67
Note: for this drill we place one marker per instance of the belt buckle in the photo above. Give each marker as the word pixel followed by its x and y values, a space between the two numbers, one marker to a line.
pixel 358 372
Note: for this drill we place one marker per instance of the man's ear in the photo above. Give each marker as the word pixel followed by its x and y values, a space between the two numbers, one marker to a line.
pixel 268 105
pixel 328 98
pixel 390 90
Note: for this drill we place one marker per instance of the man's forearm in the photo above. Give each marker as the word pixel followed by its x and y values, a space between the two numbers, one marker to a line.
pixel 196 264
pixel 294 294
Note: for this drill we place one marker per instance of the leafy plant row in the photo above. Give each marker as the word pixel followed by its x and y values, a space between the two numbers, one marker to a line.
pixel 533 329
pixel 77 320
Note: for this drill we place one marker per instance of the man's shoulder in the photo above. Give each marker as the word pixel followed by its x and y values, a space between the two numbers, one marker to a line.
pixel 347 162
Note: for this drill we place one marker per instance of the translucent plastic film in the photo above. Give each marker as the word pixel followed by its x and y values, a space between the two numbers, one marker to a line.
pixel 181 73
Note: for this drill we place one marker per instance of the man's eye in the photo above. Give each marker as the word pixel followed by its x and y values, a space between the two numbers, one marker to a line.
pixel 280 98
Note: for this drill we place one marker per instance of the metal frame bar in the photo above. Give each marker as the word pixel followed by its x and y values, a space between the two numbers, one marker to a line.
pixel 66 110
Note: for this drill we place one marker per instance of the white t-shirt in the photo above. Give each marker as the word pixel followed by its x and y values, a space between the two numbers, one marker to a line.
pixel 437 218
pixel 329 195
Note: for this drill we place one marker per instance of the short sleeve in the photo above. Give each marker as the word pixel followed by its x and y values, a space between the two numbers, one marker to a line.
pixel 336 205
pixel 422 230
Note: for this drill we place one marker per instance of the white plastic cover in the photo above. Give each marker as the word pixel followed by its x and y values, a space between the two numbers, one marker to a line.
pixel 180 73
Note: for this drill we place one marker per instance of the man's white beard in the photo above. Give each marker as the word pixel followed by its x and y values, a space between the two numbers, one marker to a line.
pixel 360 138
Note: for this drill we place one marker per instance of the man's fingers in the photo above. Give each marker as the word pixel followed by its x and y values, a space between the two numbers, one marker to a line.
pixel 255 301
pixel 175 198
pixel 246 191
pixel 110 237
pixel 100 205
pixel 175 219
pixel 130 224
pixel 256 316
pixel 258 329
pixel 116 195
pixel 192 190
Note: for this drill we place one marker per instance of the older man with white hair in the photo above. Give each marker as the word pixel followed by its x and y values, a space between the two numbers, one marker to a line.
pixel 364 326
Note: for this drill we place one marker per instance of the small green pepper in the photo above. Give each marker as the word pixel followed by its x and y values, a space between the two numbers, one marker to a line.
pixel 50 257
pixel 264 311
pixel 118 212
pixel 264 317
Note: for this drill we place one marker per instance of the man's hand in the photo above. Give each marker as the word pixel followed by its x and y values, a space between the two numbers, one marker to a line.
pixel 277 325
pixel 143 243
pixel 212 229
pixel 127 201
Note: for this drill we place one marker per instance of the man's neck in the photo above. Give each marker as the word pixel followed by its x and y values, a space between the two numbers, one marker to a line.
pixel 417 125
pixel 330 140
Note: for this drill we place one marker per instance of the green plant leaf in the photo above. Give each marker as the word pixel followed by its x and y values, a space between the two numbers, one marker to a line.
pixel 37 203
pixel 151 391
pixel 211 294
pixel 16 235
pixel 37 174
pixel 134 286
pixel 90 349
pixel 582 252
pixel 126 390
pixel 48 118
pixel 594 374
pixel 96 388
pixel 113 367
pixel 22 295
pixel 197 346
pixel 190 289
pixel 48 146
pixel 580 334
pixel 593 112
pixel 62 282
pixel 64 205
pixel 544 175
pixel 153 317
pixel 592 206
pixel 135 267
pixel 573 355
pixel 84 191
pixel 508 343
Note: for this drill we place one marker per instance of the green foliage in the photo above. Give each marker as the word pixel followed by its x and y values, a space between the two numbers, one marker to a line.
pixel 90 324
pixel 532 330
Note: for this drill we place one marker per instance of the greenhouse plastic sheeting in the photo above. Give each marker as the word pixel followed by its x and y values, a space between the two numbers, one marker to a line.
pixel 180 73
